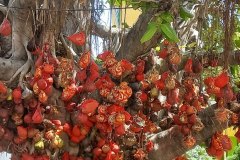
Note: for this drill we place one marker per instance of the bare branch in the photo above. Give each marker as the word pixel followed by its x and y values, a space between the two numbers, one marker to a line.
pixel 131 46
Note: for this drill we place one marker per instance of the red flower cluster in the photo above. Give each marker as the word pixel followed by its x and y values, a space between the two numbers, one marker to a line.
pixel 219 144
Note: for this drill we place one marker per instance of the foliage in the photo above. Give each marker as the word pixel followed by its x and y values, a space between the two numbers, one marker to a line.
pixel 236 154
pixel 198 153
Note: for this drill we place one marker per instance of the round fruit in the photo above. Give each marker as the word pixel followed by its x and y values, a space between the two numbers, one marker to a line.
pixel 42 84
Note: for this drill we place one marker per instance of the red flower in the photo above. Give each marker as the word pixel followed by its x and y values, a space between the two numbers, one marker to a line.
pixel 140 77
pixel 65 156
pixel 22 132
pixel 105 55
pixel 163 53
pixel 120 130
pixel 42 84
pixel 17 95
pixel 160 84
pixel 89 106
pixel 188 66
pixel 226 142
pixel 140 66
pixel 114 109
pixel 221 80
pixel 84 60
pixel 165 75
pixel 78 38
pixel 89 86
pixel 3 88
pixel 37 116
pixel 126 65
pixel 83 119
pixel 209 81
pixel 149 146
pixel 76 131
pixel 26 156
pixel 81 75
pixel 69 92
pixel 48 68
pixel 5 27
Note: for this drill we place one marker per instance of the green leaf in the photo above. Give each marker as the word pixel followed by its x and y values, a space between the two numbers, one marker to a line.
pixel 151 30
pixel 169 32
pixel 237 42
pixel 166 16
pixel 184 13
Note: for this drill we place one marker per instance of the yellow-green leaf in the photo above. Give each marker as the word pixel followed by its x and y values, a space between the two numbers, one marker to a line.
pixel 151 30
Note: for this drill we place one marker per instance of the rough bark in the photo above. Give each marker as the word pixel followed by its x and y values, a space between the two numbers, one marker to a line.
pixel 131 46
pixel 21 21
pixel 169 144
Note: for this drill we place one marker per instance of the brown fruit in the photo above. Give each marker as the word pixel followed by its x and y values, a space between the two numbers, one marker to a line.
pixel 221 114
pixel 175 58
pixel 189 141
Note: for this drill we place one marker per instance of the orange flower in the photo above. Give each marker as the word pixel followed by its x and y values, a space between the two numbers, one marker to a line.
pixel 78 38
pixel 5 27
pixel 89 106
pixel 69 92
pixel 37 116
pixel 221 80
pixel 84 60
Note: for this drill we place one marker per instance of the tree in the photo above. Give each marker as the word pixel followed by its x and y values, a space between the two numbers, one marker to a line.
pixel 56 102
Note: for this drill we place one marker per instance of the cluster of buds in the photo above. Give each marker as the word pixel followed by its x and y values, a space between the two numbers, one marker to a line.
pixel 187 119
pixel 116 68
pixel 79 131
pixel 115 94
pixel 87 74
pixel 107 150
pixel 170 52
pixel 219 87
pixel 112 118
pixel 141 123
pixel 42 80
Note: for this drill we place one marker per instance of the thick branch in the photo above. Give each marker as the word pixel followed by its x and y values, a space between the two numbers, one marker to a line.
pixel 234 59
pixel 102 31
pixel 174 138
pixel 9 67
pixel 131 46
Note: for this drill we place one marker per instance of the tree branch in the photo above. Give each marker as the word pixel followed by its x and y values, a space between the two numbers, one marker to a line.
pixel 131 46
pixel 234 59
pixel 102 31
pixel 174 138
